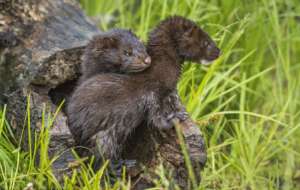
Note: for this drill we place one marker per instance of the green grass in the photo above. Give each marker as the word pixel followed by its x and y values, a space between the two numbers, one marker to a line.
pixel 247 103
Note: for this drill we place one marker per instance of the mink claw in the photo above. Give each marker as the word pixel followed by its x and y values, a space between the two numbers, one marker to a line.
pixel 182 116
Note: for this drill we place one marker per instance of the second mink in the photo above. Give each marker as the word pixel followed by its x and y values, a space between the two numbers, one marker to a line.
pixel 115 51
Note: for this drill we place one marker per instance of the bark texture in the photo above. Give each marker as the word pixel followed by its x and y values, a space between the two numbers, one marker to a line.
pixel 41 42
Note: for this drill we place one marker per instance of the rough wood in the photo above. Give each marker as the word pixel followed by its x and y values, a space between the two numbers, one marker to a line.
pixel 41 42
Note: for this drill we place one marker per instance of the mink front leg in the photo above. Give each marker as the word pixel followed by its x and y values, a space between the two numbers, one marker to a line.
pixel 172 108
pixel 191 133
pixel 162 113
pixel 105 147
pixel 108 145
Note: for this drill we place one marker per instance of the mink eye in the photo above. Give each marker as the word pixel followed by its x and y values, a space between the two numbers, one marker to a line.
pixel 127 53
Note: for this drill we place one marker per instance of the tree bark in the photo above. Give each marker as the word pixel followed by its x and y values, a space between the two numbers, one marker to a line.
pixel 41 42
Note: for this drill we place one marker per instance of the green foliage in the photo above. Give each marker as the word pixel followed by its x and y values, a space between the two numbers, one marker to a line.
pixel 247 103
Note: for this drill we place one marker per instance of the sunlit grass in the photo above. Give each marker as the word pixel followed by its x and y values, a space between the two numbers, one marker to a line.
pixel 247 103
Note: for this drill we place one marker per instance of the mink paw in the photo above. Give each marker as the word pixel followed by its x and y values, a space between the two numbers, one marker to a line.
pixel 167 122
pixel 179 116
pixel 182 116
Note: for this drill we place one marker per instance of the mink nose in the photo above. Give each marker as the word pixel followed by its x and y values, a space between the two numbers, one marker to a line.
pixel 216 53
pixel 147 60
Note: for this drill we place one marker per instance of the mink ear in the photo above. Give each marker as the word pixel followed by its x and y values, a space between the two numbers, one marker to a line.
pixel 191 32
pixel 110 42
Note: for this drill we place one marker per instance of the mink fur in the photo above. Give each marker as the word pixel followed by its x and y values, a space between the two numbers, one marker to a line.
pixel 114 51
pixel 106 108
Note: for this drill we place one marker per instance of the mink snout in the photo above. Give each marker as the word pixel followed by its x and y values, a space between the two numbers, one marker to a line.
pixel 148 60
pixel 213 53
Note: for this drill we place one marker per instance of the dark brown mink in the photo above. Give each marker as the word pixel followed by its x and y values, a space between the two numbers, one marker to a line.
pixel 106 108
pixel 114 51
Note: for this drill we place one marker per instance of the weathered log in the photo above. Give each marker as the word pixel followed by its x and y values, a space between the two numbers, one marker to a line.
pixel 41 42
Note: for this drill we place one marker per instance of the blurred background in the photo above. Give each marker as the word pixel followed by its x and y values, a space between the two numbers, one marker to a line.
pixel 248 102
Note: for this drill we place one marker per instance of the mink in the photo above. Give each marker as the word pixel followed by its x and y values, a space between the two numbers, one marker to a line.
pixel 114 51
pixel 106 108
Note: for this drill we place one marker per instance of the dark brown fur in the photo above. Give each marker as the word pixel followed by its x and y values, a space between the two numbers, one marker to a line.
pixel 105 109
pixel 114 51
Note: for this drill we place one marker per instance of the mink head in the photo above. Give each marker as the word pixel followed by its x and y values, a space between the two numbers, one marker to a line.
pixel 191 42
pixel 118 51
pixel 196 45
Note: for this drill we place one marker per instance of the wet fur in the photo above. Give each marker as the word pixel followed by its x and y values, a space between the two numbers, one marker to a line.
pixel 106 53
pixel 106 108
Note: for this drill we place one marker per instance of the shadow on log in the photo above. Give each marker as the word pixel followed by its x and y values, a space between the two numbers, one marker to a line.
pixel 41 42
